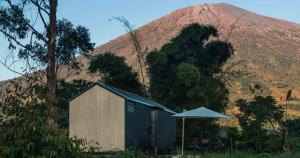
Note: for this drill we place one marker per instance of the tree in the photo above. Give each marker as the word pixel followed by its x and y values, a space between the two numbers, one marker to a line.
pixel 256 115
pixel 182 72
pixel 25 131
pixel 28 121
pixel 116 72
pixel 65 91
pixel 42 42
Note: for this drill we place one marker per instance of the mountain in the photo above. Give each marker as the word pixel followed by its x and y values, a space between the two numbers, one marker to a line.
pixel 268 47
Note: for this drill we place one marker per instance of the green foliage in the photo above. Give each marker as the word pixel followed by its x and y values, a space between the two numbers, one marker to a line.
pixel 182 71
pixel 294 127
pixel 239 154
pixel 255 116
pixel 182 75
pixel 295 143
pixel 273 143
pixel 187 74
pixel 229 133
pixel 71 41
pixel 235 154
pixel 130 154
pixel 64 92
pixel 31 42
pixel 116 72
pixel 28 129
pixel 294 133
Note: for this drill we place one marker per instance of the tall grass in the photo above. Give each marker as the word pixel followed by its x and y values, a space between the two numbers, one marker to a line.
pixel 245 155
pixel 236 154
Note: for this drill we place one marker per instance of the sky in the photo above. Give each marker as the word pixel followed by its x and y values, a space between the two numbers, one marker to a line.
pixel 95 15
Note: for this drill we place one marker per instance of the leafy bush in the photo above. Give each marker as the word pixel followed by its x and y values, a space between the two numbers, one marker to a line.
pixel 294 127
pixel 295 143
pixel 65 91
pixel 274 143
pixel 253 118
pixel 29 130
pixel 130 154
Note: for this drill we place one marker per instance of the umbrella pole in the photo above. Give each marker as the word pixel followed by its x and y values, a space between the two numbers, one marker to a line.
pixel 182 137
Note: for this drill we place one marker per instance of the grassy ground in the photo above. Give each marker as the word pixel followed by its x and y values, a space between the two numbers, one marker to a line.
pixel 246 155
pixel 206 155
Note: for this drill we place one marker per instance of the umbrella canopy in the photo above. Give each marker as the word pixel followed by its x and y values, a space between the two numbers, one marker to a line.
pixel 201 113
pixel 198 113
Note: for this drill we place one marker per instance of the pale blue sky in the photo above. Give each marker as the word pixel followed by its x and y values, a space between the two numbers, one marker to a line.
pixel 94 14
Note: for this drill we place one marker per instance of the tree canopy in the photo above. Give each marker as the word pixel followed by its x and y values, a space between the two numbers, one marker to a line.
pixel 30 126
pixel 116 72
pixel 257 116
pixel 26 130
pixel 41 41
pixel 182 71
pixel 31 43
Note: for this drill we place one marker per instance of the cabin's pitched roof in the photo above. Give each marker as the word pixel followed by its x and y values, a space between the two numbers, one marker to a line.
pixel 129 96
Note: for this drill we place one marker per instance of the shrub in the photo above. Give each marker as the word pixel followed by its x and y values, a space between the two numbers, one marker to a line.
pixel 29 130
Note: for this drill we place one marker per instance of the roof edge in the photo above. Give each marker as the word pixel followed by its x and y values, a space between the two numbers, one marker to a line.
pixel 91 86
pixel 102 85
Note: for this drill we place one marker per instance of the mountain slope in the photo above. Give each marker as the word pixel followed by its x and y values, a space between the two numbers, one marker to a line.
pixel 269 46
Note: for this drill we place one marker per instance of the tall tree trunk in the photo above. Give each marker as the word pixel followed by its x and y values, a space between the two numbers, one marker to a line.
pixel 51 75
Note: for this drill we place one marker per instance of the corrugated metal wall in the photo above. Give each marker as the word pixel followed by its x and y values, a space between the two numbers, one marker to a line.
pixel 149 127
pixel 137 125
pixel 102 116
pixel 98 115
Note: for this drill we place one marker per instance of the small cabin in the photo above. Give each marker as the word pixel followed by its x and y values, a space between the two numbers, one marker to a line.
pixel 118 120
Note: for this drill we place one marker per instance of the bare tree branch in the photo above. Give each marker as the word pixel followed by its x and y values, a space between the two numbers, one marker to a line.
pixel 135 40
pixel 13 38
pixel 43 19
pixel 40 13
pixel 10 69
pixel 16 41
pixel 39 7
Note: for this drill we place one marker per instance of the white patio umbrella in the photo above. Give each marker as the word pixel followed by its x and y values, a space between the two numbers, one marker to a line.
pixel 201 112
